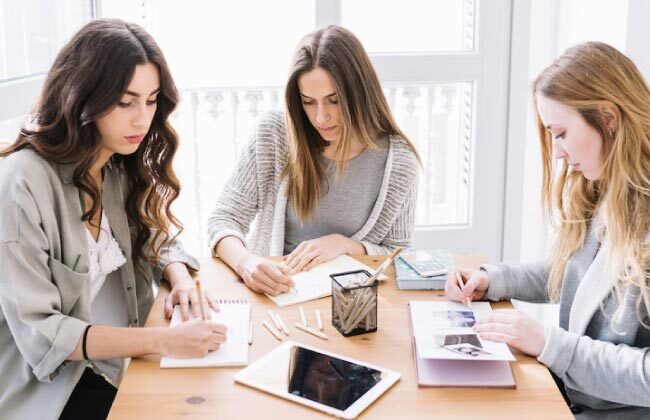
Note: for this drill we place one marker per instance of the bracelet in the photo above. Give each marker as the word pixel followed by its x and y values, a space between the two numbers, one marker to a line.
pixel 83 342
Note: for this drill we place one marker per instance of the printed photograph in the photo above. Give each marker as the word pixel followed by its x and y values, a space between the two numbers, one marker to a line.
pixel 464 344
pixel 453 319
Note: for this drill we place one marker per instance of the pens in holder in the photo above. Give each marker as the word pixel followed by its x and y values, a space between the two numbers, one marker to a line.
pixel 459 279
pixel 383 266
pixel 199 292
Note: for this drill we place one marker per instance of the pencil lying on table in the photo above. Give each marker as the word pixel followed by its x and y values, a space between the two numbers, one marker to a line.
pixel 272 330
pixel 311 331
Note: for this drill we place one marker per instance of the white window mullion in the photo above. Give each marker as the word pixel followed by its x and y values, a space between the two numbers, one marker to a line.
pixel 328 12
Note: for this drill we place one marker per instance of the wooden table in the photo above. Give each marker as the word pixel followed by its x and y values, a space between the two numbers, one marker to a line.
pixel 148 392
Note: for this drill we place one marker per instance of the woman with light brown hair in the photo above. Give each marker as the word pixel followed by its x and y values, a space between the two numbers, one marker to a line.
pixel 593 115
pixel 86 228
pixel 331 175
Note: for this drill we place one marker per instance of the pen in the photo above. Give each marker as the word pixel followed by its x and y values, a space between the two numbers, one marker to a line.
pixel 271 330
pixel 250 333
pixel 468 301
pixel 319 320
pixel 200 293
pixel 302 316
pixel 311 331
pixel 285 270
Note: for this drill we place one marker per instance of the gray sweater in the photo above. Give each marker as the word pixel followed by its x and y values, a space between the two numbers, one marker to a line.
pixel 353 195
pixel 605 370
pixel 257 191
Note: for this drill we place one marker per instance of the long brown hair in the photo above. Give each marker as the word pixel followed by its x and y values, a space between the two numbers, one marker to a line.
pixel 591 77
pixel 87 80
pixel 365 115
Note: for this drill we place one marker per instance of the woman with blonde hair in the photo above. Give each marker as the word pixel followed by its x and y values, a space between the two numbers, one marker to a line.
pixel 593 114
pixel 331 175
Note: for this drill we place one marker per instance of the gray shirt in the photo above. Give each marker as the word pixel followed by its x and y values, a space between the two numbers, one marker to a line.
pixel 346 203
pixel 605 368
pixel 253 203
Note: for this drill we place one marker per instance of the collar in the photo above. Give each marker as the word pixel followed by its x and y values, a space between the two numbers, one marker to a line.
pixel 66 170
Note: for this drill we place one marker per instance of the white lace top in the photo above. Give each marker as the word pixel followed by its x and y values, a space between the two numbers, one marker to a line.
pixel 108 302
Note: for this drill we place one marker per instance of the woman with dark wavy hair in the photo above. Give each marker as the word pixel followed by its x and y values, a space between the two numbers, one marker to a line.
pixel 86 226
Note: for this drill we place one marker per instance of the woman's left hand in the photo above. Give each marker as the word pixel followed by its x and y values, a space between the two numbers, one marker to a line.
pixel 514 328
pixel 184 293
pixel 317 251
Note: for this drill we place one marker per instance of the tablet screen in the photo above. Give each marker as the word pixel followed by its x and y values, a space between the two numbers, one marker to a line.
pixel 328 380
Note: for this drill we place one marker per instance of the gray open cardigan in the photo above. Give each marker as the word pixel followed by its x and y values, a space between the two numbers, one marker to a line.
pixel 606 372
pixel 44 281
pixel 257 189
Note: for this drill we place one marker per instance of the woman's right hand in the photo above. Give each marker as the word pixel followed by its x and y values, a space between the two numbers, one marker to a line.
pixel 193 338
pixel 264 276
pixel 476 283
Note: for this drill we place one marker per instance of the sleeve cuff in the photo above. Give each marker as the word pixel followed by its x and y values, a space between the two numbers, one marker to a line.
pixel 222 234
pixel 62 347
pixel 497 289
pixel 374 249
pixel 558 350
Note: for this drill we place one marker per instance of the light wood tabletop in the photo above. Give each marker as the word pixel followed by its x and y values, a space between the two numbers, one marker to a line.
pixel 149 392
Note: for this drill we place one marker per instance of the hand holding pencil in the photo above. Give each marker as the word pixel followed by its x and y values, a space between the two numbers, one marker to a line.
pixel 466 285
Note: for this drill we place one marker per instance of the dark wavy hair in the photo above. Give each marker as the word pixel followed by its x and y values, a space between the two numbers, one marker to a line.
pixel 87 80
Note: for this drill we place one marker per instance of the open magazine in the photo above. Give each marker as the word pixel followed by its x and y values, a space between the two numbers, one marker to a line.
pixel 443 330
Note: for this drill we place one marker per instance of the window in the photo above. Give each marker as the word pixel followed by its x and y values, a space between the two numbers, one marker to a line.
pixel 31 34
pixel 443 65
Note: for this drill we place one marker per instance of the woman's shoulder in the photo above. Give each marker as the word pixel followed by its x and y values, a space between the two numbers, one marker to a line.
pixel 270 133
pixel 403 154
pixel 26 166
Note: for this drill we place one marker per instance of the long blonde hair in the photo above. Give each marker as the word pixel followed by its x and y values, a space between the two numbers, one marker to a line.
pixel 589 78
pixel 365 115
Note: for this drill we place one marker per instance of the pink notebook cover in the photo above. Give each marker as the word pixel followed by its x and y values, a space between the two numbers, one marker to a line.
pixel 461 373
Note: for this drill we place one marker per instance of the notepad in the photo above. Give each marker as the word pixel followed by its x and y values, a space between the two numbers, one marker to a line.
pixel 235 314
pixel 316 283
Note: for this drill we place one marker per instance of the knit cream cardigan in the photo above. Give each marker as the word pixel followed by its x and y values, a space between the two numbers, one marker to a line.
pixel 256 193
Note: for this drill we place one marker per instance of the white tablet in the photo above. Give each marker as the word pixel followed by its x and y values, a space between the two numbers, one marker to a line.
pixel 337 385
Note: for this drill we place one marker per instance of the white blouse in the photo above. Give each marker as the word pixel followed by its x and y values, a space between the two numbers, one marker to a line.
pixel 108 301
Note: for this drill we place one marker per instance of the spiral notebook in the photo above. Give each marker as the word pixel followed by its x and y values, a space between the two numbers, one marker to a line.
pixel 235 314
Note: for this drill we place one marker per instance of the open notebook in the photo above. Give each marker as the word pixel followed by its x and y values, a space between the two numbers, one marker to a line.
pixel 448 353
pixel 235 314
pixel 316 283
